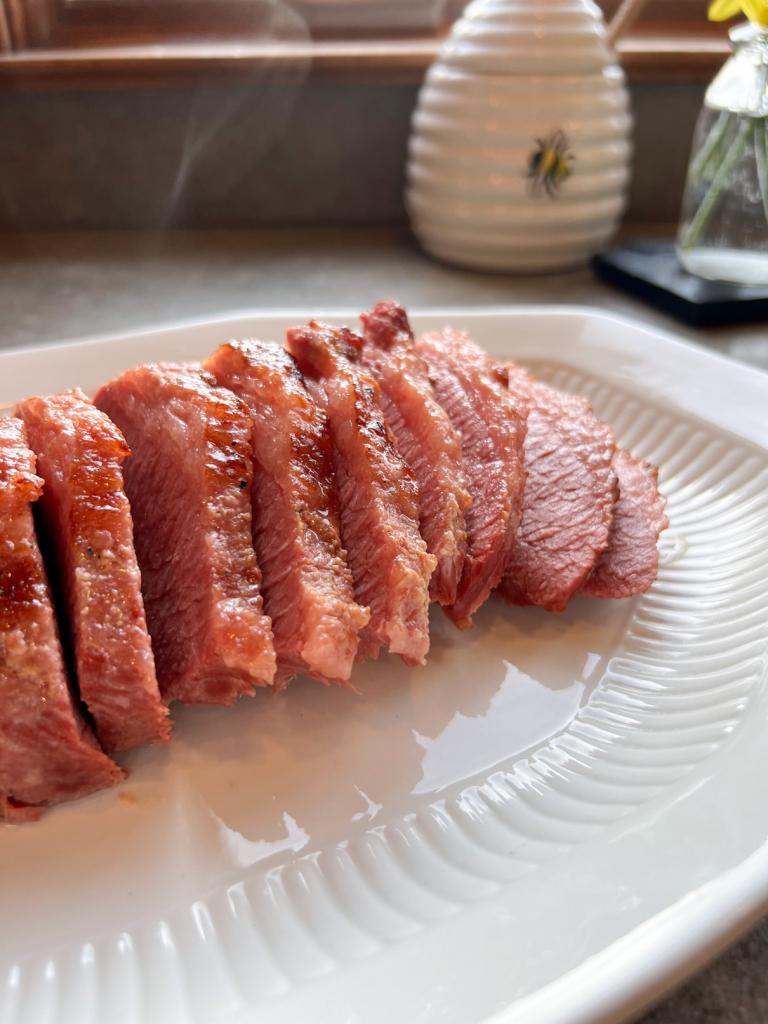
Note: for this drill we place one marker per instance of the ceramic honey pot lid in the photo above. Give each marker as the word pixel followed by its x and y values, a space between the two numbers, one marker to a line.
pixel 539 37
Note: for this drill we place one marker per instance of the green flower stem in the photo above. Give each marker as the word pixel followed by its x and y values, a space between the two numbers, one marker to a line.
pixel 720 151
pixel 761 158
pixel 713 145
pixel 719 182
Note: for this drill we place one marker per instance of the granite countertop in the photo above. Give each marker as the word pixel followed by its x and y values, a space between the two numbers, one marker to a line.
pixel 66 285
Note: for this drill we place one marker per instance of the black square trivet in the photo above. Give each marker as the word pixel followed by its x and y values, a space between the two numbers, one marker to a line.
pixel 651 272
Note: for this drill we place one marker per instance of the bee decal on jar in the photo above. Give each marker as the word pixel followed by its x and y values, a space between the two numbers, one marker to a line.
pixel 550 164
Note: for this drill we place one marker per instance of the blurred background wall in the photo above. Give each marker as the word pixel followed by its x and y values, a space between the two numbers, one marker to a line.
pixel 254 153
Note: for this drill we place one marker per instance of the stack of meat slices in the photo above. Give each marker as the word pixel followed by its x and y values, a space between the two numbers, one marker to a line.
pixel 379 499
pixel 47 752
pixel 201 532
pixel 308 590
pixel 189 483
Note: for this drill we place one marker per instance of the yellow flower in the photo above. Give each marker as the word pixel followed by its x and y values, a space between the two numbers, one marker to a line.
pixel 755 10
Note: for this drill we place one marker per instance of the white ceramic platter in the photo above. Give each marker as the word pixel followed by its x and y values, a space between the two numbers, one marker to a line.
pixel 553 821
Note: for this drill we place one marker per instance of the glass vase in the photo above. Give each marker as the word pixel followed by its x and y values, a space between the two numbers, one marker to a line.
pixel 724 225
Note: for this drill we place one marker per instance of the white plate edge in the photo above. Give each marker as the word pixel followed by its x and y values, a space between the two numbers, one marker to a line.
pixel 635 973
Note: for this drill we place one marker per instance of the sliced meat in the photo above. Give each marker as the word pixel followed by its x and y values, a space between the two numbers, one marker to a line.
pixel 426 439
pixel 630 563
pixel 570 491
pixel 378 495
pixel 87 523
pixel 307 584
pixel 472 388
pixel 189 483
pixel 46 752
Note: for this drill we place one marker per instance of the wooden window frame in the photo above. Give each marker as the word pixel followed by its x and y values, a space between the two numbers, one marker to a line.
pixel 657 49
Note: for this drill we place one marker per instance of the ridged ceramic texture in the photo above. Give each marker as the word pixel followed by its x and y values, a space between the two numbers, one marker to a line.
pixel 512 73
pixel 675 691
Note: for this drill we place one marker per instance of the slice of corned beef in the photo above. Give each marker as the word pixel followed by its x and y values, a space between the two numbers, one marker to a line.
pixel 426 439
pixel 570 491
pixel 306 582
pixel 188 481
pixel 378 495
pixel 86 519
pixel 46 752
pixel 472 388
pixel 630 563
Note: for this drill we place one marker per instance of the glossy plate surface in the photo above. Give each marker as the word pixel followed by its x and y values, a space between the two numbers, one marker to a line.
pixel 556 818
